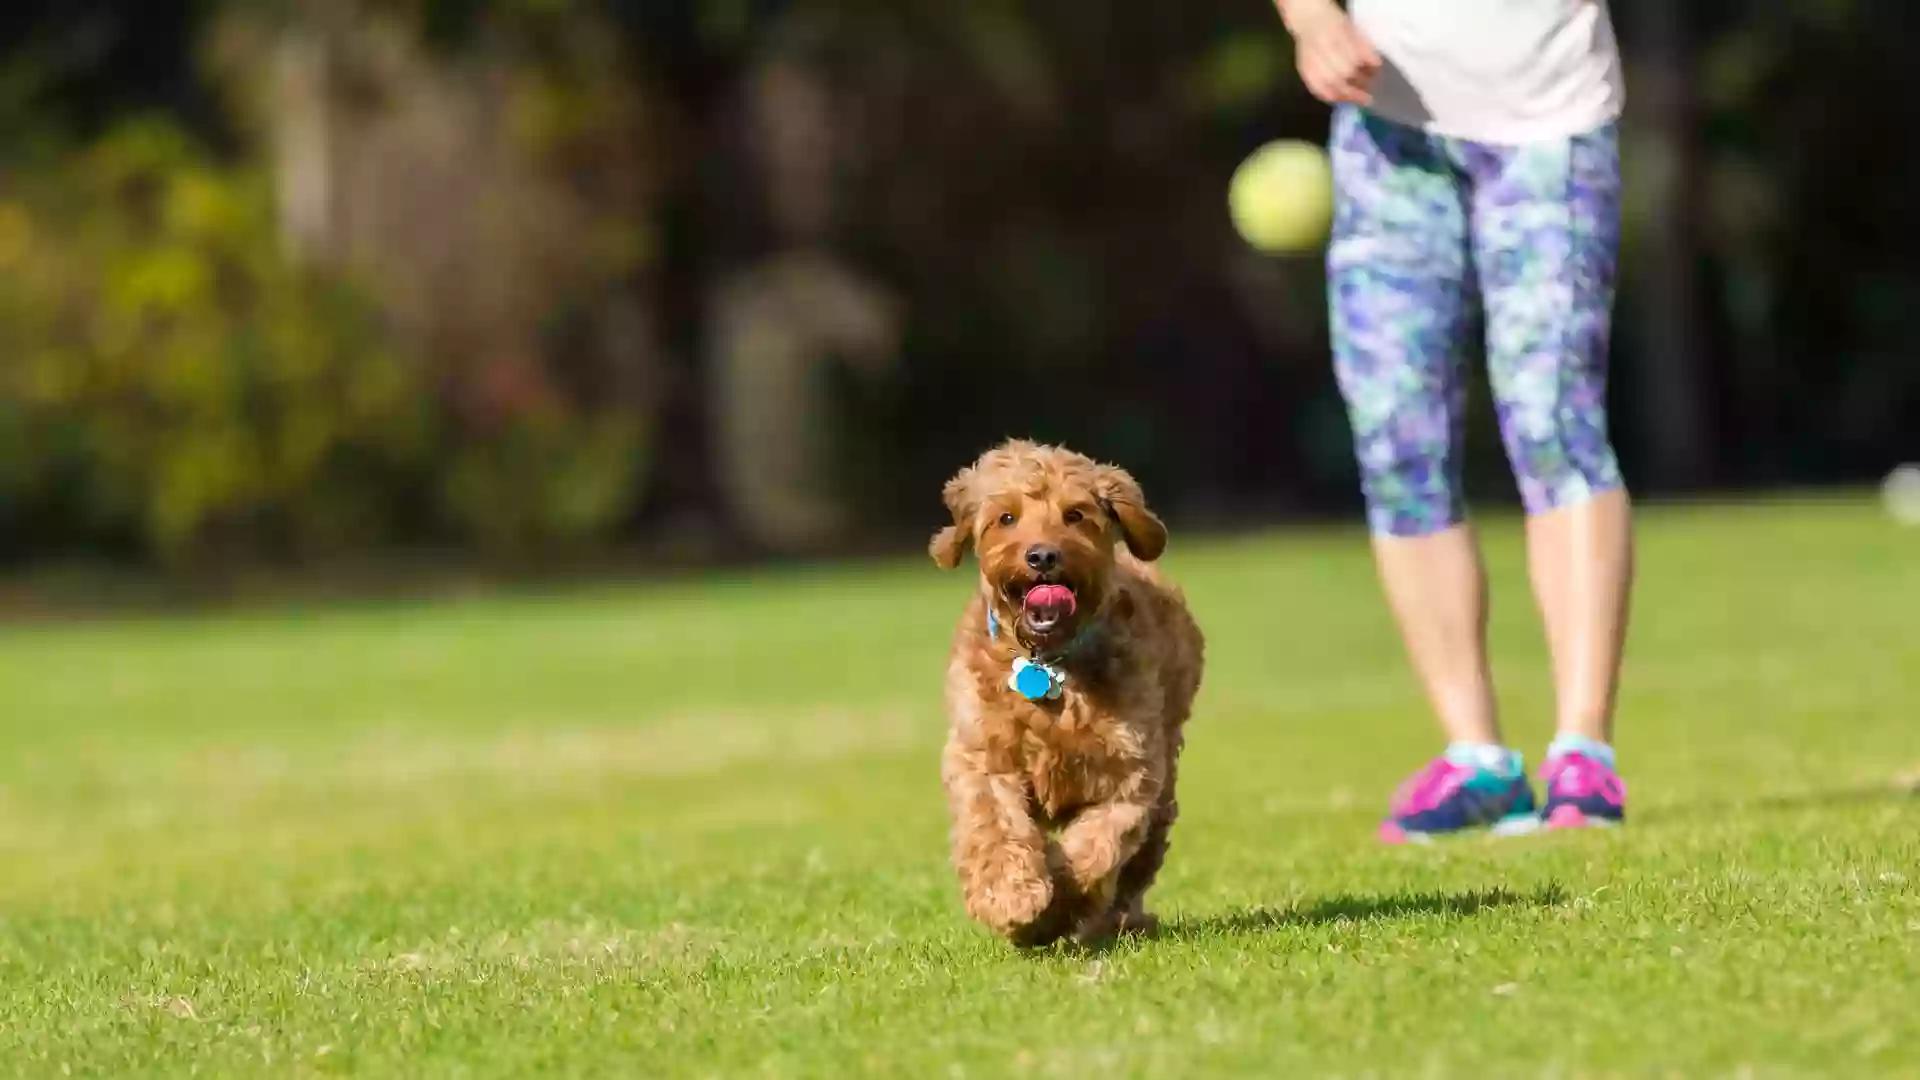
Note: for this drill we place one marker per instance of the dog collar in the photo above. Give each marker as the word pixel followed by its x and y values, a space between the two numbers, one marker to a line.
pixel 1039 678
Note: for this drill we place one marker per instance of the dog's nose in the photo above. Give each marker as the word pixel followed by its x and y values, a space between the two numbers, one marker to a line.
pixel 1043 557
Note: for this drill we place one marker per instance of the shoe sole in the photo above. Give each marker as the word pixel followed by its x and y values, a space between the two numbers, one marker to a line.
pixel 1562 819
pixel 1570 817
pixel 1520 824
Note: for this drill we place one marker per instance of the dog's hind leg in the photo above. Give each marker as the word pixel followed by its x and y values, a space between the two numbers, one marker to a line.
pixel 1129 898
pixel 1137 876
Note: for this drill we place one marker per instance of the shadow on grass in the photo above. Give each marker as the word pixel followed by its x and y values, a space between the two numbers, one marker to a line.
pixel 1355 909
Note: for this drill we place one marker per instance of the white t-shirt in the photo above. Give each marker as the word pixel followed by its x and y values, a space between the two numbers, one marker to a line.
pixel 1496 71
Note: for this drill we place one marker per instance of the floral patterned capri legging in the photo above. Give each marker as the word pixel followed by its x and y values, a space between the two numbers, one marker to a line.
pixel 1429 231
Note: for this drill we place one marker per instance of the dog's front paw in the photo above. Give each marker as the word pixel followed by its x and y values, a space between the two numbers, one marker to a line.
pixel 1136 921
pixel 1013 901
pixel 1110 923
pixel 1096 928
pixel 1052 924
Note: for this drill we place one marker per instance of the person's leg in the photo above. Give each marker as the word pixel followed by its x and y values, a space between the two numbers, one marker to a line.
pixel 1545 238
pixel 1398 272
pixel 1580 558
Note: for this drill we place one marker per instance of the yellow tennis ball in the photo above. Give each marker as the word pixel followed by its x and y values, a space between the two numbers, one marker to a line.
pixel 1281 197
pixel 1902 494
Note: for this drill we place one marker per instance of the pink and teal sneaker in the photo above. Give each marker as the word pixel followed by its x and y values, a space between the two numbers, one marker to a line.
pixel 1464 789
pixel 1582 788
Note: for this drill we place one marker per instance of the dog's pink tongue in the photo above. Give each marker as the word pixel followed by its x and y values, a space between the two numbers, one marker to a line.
pixel 1053 602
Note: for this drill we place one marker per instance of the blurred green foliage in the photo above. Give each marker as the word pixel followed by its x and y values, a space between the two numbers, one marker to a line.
pixel 173 385
pixel 169 379
pixel 549 482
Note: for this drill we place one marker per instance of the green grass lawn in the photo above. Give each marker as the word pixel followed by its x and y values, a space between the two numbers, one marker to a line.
pixel 696 830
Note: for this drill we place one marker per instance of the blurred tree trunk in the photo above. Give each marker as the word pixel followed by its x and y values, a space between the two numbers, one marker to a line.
pixel 685 504
pixel 789 310
pixel 501 205
pixel 1665 265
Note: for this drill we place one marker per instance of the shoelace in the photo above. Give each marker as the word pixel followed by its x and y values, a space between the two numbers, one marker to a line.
pixel 1578 776
pixel 1429 787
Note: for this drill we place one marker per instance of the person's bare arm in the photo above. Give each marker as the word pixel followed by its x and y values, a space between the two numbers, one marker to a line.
pixel 1335 59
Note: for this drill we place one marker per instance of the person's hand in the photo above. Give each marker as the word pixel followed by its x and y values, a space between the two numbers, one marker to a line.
pixel 1335 59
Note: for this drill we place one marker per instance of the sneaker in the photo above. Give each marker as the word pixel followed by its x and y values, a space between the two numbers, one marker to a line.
pixel 1449 797
pixel 1582 791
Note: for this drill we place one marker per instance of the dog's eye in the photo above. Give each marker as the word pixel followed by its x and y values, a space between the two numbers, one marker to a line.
pixel 1073 517
pixel 1006 519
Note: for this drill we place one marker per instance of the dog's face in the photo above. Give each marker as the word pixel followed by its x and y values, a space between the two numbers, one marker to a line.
pixel 1046 524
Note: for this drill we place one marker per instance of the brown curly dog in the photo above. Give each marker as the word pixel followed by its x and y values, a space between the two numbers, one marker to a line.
pixel 1071 675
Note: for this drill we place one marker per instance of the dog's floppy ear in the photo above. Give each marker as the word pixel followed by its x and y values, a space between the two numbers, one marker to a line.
pixel 950 543
pixel 1145 534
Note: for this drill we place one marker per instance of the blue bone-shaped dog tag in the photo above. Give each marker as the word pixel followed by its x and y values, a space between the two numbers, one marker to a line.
pixel 1033 681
